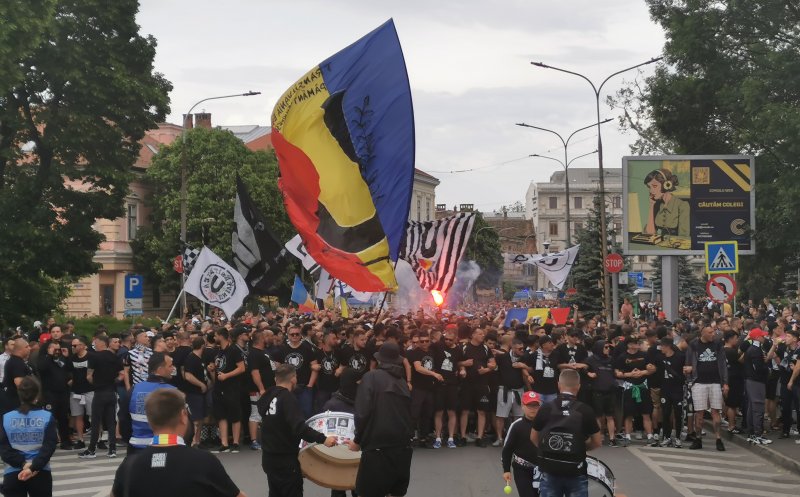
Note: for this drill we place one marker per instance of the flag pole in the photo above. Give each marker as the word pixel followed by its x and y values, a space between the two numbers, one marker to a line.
pixel 180 294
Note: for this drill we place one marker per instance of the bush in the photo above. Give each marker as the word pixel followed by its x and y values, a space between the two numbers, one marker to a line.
pixel 87 326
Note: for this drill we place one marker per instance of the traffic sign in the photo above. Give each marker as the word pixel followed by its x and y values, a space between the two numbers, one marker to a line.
pixel 572 291
pixel 134 293
pixel 614 263
pixel 177 264
pixel 722 257
pixel 721 288
pixel 636 277
pixel 623 277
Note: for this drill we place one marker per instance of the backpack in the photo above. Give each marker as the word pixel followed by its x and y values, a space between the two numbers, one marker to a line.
pixel 562 445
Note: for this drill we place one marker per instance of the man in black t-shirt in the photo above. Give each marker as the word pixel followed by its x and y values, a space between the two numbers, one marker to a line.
pixel 300 354
pixel 545 382
pixel 80 402
pixel 512 372
pixel 357 355
pixel 573 355
pixel 633 368
pixel 424 380
pixel 260 378
pixel 329 371
pixel 446 355
pixel 167 467
pixel 707 370
pixel 228 366
pixel 564 430
pixel 104 369
pixel 670 368
pixel 476 362
pixel 16 368
pixel 195 385
pixel 735 398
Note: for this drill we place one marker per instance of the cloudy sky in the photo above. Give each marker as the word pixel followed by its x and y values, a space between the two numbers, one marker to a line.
pixel 468 64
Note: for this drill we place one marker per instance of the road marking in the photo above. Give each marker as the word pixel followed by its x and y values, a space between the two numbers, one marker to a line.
pixel 661 473
pixel 73 481
pixel 103 493
pixel 738 490
pixel 672 450
pixel 83 471
pixel 700 460
pixel 760 483
pixel 727 471
pixel 94 463
pixel 97 490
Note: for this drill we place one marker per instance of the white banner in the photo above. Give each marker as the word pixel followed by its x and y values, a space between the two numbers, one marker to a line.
pixel 555 267
pixel 216 283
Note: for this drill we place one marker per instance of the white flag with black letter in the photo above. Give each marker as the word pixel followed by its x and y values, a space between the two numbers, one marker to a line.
pixel 555 266
pixel 216 283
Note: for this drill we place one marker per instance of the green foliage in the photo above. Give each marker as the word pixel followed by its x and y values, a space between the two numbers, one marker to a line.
pixel 87 326
pixel 77 93
pixel 689 285
pixel 509 289
pixel 729 85
pixel 484 248
pixel 213 157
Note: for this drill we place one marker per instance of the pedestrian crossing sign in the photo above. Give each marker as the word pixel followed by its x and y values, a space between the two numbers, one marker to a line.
pixel 722 257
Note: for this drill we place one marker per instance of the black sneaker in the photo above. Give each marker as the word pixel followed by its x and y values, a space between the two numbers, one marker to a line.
pixel 461 442
pixel 222 449
pixel 87 454
pixel 480 442
pixel 612 443
pixel 720 445
pixel 66 446
pixel 79 445
pixel 102 445
pixel 235 449
pixel 112 454
pixel 690 437
pixel 697 444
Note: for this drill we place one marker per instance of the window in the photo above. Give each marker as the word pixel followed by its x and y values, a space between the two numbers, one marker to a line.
pixel 428 209
pixel 553 202
pixel 132 221
pixel 617 228
pixel 616 202
pixel 419 209
pixel 578 202
pixel 553 228
pixel 577 225
pixel 641 258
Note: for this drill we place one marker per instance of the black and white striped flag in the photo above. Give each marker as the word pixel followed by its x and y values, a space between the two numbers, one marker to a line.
pixel 434 249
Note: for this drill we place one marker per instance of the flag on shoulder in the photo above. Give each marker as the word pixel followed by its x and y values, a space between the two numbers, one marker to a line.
pixel 257 253
pixel 216 283
pixel 434 249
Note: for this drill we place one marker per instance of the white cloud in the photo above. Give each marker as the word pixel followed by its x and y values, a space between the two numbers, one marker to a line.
pixel 468 62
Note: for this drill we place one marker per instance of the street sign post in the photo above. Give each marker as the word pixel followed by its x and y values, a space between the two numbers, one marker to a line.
pixel 721 288
pixel 134 294
pixel 614 263
pixel 636 277
pixel 722 257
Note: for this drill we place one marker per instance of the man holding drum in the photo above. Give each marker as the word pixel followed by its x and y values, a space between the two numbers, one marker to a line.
pixel 283 425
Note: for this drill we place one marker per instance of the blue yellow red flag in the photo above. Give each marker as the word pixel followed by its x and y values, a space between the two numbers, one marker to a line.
pixel 344 137
pixel 301 297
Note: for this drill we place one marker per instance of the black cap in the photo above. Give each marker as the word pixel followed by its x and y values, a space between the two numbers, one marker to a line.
pixel 389 353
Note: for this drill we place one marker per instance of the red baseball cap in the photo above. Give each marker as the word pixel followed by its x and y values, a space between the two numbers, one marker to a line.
pixel 757 333
pixel 531 397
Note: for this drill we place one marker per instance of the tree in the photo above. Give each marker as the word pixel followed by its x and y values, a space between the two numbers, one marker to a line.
pixel 484 248
pixel 728 85
pixel 689 285
pixel 213 158
pixel 77 93
pixel 587 272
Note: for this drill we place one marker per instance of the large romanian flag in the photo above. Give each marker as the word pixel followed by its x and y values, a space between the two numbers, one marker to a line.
pixel 344 137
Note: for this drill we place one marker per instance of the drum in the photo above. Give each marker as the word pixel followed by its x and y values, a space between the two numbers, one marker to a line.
pixel 331 467
pixel 601 479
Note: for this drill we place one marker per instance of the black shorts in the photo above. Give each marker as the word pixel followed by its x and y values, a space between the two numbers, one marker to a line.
pixel 772 386
pixel 475 397
pixel 603 403
pixel 631 407
pixel 227 404
pixel 384 472
pixel 197 406
pixel 735 398
pixel 446 398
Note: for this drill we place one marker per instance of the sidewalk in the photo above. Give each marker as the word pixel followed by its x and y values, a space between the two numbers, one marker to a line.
pixel 782 452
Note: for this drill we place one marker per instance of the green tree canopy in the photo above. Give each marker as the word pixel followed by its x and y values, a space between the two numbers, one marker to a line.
pixel 484 248
pixel 77 93
pixel 729 85
pixel 213 159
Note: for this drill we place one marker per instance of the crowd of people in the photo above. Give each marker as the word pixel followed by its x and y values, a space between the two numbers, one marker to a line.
pixel 467 372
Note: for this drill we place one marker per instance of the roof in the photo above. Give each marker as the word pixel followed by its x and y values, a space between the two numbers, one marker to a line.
pixel 248 132
pixel 425 177
pixel 586 175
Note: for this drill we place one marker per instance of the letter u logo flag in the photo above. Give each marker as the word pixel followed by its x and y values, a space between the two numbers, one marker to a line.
pixel 344 137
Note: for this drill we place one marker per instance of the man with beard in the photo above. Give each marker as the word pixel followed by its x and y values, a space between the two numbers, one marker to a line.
pixel 601 373
pixel 55 389
pixel 477 362
pixel 512 373
pixel 262 377
pixel 330 370
pixel 545 382
pixel 357 355
pixel 423 380
pixel 299 354
pixel 229 365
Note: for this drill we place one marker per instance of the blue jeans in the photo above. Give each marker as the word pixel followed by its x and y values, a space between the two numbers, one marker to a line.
pixel 564 486
pixel 305 397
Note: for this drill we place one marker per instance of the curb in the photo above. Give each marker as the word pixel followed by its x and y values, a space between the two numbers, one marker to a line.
pixel 768 453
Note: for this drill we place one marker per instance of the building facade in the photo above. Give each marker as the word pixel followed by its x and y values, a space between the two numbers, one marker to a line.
pixel 423 197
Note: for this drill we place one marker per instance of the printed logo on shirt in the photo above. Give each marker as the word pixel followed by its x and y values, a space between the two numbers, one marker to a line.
pixel 294 359
pixel 358 362
pixel 159 460
pixel 708 355
pixel 329 364
pixel 427 363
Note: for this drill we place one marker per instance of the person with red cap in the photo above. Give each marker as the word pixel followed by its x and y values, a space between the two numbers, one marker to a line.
pixel 756 373
pixel 520 452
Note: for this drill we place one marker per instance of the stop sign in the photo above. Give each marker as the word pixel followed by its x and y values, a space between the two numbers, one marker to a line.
pixel 572 291
pixel 614 263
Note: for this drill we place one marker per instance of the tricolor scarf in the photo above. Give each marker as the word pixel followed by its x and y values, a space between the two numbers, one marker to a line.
pixel 166 440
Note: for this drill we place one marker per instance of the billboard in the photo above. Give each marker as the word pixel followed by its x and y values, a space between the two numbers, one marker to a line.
pixel 674 204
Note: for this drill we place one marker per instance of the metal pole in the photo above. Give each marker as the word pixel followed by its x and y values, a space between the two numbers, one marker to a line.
pixel 615 296
pixel 566 191
pixel 184 174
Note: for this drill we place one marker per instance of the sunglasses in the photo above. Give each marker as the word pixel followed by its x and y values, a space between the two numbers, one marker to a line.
pixel 294 334
pixel 424 341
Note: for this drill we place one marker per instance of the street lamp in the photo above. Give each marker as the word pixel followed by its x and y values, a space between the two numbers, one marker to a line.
pixel 184 195
pixel 597 90
pixel 566 162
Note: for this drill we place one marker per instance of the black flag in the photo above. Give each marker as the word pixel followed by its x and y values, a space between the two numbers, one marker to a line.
pixel 257 253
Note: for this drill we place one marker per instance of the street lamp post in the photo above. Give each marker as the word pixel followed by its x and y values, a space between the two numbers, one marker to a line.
pixel 184 168
pixel 566 162
pixel 597 90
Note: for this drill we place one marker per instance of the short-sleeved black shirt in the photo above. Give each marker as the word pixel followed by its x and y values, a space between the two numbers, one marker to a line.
pixel 167 471
pixel 194 365
pixel 327 381
pixel 300 357
pixel 15 368
pixel 426 359
pixel 225 363
pixel 628 362
pixel 105 367
pixel 259 361
pixel 446 362
pixel 480 356
pixel 356 359
pixel 79 366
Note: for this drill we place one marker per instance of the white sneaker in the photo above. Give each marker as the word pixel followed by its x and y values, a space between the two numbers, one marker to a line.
pixel 637 435
pixel 764 440
pixel 797 441
pixel 793 432
pixel 497 443
pixel 677 443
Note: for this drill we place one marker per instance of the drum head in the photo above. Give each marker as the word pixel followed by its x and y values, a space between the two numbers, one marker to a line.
pixel 329 468
pixel 601 478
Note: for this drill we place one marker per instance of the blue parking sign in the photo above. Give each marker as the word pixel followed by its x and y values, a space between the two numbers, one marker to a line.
pixel 134 286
